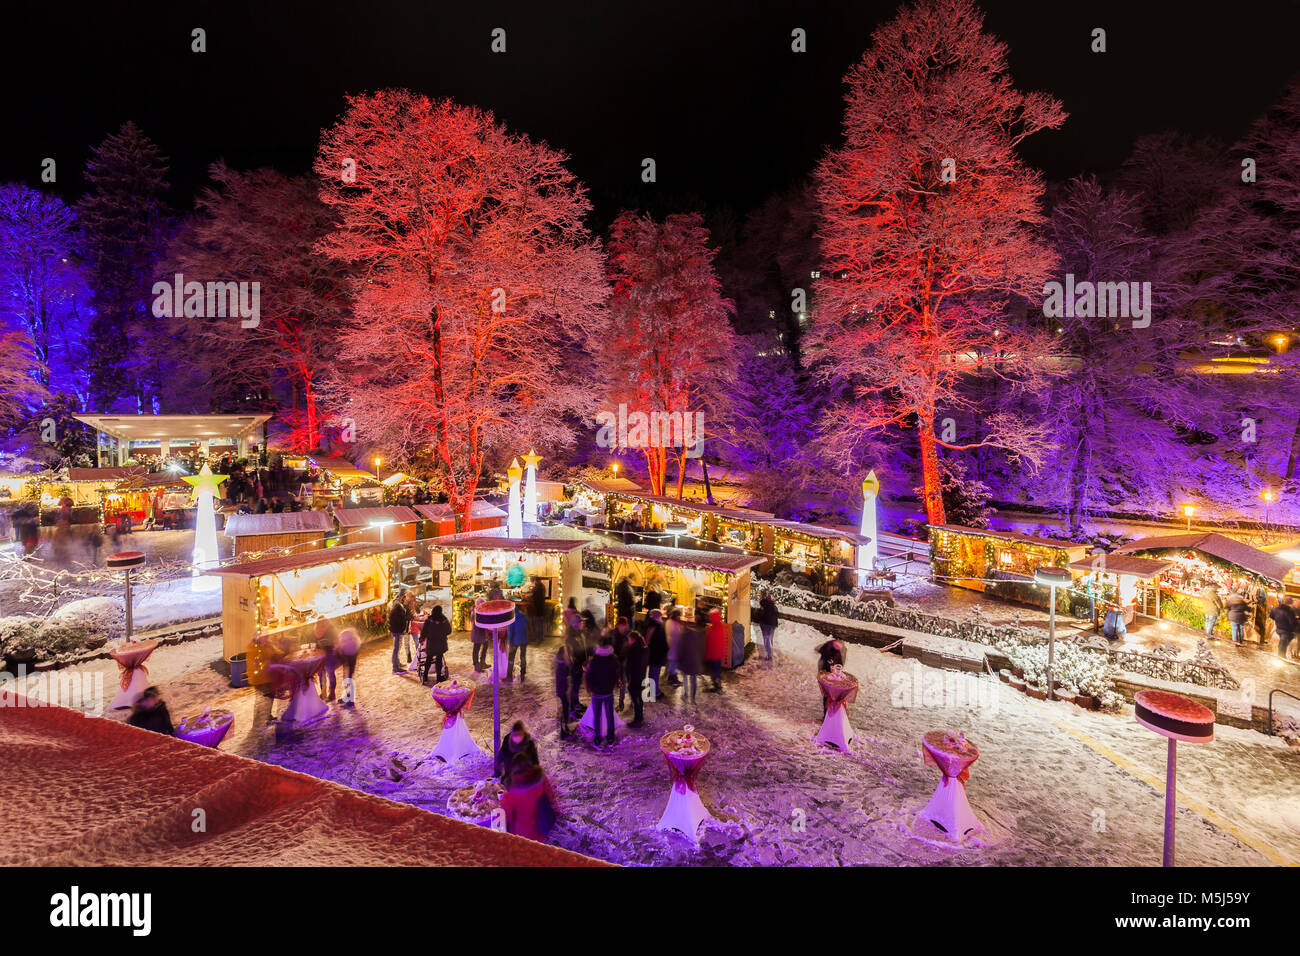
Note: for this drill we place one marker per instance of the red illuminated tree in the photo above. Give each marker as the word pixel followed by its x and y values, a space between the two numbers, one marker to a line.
pixel 669 349
pixel 930 226
pixel 475 271
pixel 261 226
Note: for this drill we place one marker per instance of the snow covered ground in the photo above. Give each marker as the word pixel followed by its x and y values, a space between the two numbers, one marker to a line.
pixel 1053 785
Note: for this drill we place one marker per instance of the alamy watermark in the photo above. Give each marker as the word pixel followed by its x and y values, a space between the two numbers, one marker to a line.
pixel 212 300
pixel 76 690
pixel 1102 300
pixel 637 429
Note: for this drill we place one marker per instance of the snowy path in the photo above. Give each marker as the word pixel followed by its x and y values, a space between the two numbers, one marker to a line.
pixel 1057 786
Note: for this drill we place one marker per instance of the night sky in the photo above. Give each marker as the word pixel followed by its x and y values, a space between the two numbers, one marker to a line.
pixel 711 90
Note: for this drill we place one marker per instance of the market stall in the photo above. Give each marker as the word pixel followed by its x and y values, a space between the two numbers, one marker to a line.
pixel 289 530
pixel 1000 563
pixel 381 525
pixel 472 565
pixel 439 521
pixel 287 595
pixel 1120 582
pixel 1202 559
pixel 713 580
pixel 827 555
pixel 590 498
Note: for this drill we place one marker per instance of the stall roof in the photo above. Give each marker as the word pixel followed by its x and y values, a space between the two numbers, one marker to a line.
pixel 305 559
pixel 442 512
pixel 681 557
pixel 1123 564
pixel 819 531
pixel 156 427
pixel 102 474
pixel 606 485
pixel 722 511
pixel 1219 546
pixel 475 541
pixel 1014 536
pixel 157 479
pixel 362 517
pixel 343 470
pixel 288 522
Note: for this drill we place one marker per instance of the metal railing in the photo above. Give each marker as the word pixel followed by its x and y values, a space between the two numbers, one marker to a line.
pixel 1276 690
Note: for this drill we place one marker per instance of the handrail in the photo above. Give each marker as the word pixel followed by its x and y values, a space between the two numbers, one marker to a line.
pixel 1276 690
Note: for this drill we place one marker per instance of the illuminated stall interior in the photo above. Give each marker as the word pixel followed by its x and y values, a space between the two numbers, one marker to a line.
pixel 472 565
pixel 287 595
pixel 1122 582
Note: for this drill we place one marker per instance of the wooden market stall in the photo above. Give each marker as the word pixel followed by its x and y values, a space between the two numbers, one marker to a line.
pixel 439 521
pixel 1200 559
pixel 286 595
pixel 590 498
pixel 710 579
pixel 1120 582
pixel 1000 563
pixel 827 555
pixel 379 525
pixel 291 530
pixel 472 564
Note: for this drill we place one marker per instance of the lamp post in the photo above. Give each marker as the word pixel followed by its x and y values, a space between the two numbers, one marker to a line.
pixel 614 468
pixel 1269 497
pixel 1187 512
pixel 1054 578
pixel 495 616
pixel 378 462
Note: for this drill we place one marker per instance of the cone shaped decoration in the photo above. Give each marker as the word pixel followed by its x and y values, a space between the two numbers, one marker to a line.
pixel 514 520
pixel 530 487
pixel 205 554
pixel 867 552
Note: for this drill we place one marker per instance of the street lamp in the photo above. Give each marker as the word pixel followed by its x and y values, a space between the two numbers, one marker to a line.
pixel 614 466
pixel 378 462
pixel 1269 497
pixel 1187 511
pixel 1054 578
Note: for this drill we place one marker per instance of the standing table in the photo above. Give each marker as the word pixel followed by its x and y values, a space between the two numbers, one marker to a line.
pixel 839 688
pixel 206 729
pixel 299 670
pixel 130 657
pixel 684 751
pixel 454 696
pixel 949 809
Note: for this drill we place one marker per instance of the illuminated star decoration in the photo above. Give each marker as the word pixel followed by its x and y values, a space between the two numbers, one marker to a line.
pixel 530 487
pixel 204 479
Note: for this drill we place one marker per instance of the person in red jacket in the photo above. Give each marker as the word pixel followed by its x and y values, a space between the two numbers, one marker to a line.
pixel 715 647
pixel 529 802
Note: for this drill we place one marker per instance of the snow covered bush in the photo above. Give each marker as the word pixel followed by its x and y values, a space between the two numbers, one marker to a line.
pixel 98 616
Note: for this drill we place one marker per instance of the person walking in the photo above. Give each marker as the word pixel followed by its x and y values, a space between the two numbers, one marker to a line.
pixel 768 616
pixel 563 677
pixel 577 661
pixel 517 634
pixel 657 647
pixel 150 713
pixel 673 634
pixel 602 680
pixel 517 740
pixel 435 634
pixel 347 648
pixel 635 662
pixel 1213 604
pixel 535 610
pixel 690 659
pixel 572 619
pixel 625 599
pixel 529 803
pixel 620 635
pixel 1284 620
pixel 327 638
pixel 716 638
pixel 479 637
pixel 1238 611
pixel 399 625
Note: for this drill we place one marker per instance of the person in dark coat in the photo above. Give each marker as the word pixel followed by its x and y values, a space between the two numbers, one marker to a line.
pixel 829 654
pixel 150 713
pixel 690 659
pixel 657 644
pixel 1284 620
pixel 434 634
pixel 602 680
pixel 635 662
pixel 327 636
pixel 625 599
pixel 516 741
pixel 1238 612
pixel 652 600
pixel 517 637
pixel 620 635
pixel 529 803
pixel 536 612
pixel 563 678
pixel 768 616
pixel 399 624
pixel 577 661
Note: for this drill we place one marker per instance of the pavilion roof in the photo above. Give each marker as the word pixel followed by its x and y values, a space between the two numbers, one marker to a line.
pixel 304 559
pixel 1271 566
pixel 729 561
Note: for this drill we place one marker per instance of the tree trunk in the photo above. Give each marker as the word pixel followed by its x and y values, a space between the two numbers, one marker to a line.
pixel 313 420
pixel 681 474
pixel 931 486
pixel 708 489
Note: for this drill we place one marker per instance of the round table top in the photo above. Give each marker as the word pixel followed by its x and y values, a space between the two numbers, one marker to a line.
pixel 1174 716
pixel 833 679
pixel 949 752
pixel 304 661
pixel 133 653
pixel 673 744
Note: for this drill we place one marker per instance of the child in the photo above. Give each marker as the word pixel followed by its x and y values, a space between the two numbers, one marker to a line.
pixel 563 676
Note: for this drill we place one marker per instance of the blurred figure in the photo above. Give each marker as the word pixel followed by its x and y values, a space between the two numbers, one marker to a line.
pixel 327 638
pixel 1238 611
pixel 479 638
pixel 516 742
pixel 603 678
pixel 434 633
pixel 690 658
pixel 768 618
pixel 673 634
pixel 716 638
pixel 529 803
pixel 348 647
pixel 517 633
pixel 399 627
pixel 657 647
pixel 635 663
pixel 563 677
pixel 150 713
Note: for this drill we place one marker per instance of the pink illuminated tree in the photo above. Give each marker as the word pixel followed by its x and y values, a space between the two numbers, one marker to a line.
pixel 930 229
pixel 668 349
pixel 475 275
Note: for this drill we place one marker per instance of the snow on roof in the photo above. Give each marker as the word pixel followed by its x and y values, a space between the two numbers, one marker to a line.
pixel 682 557
pixel 479 541
pixel 1144 568
pixel 361 517
pixel 723 511
pixel 819 531
pixel 305 559
pixel 267 813
pixel 288 522
pixel 606 485
pixel 443 512
pixel 1219 546
pixel 1013 536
